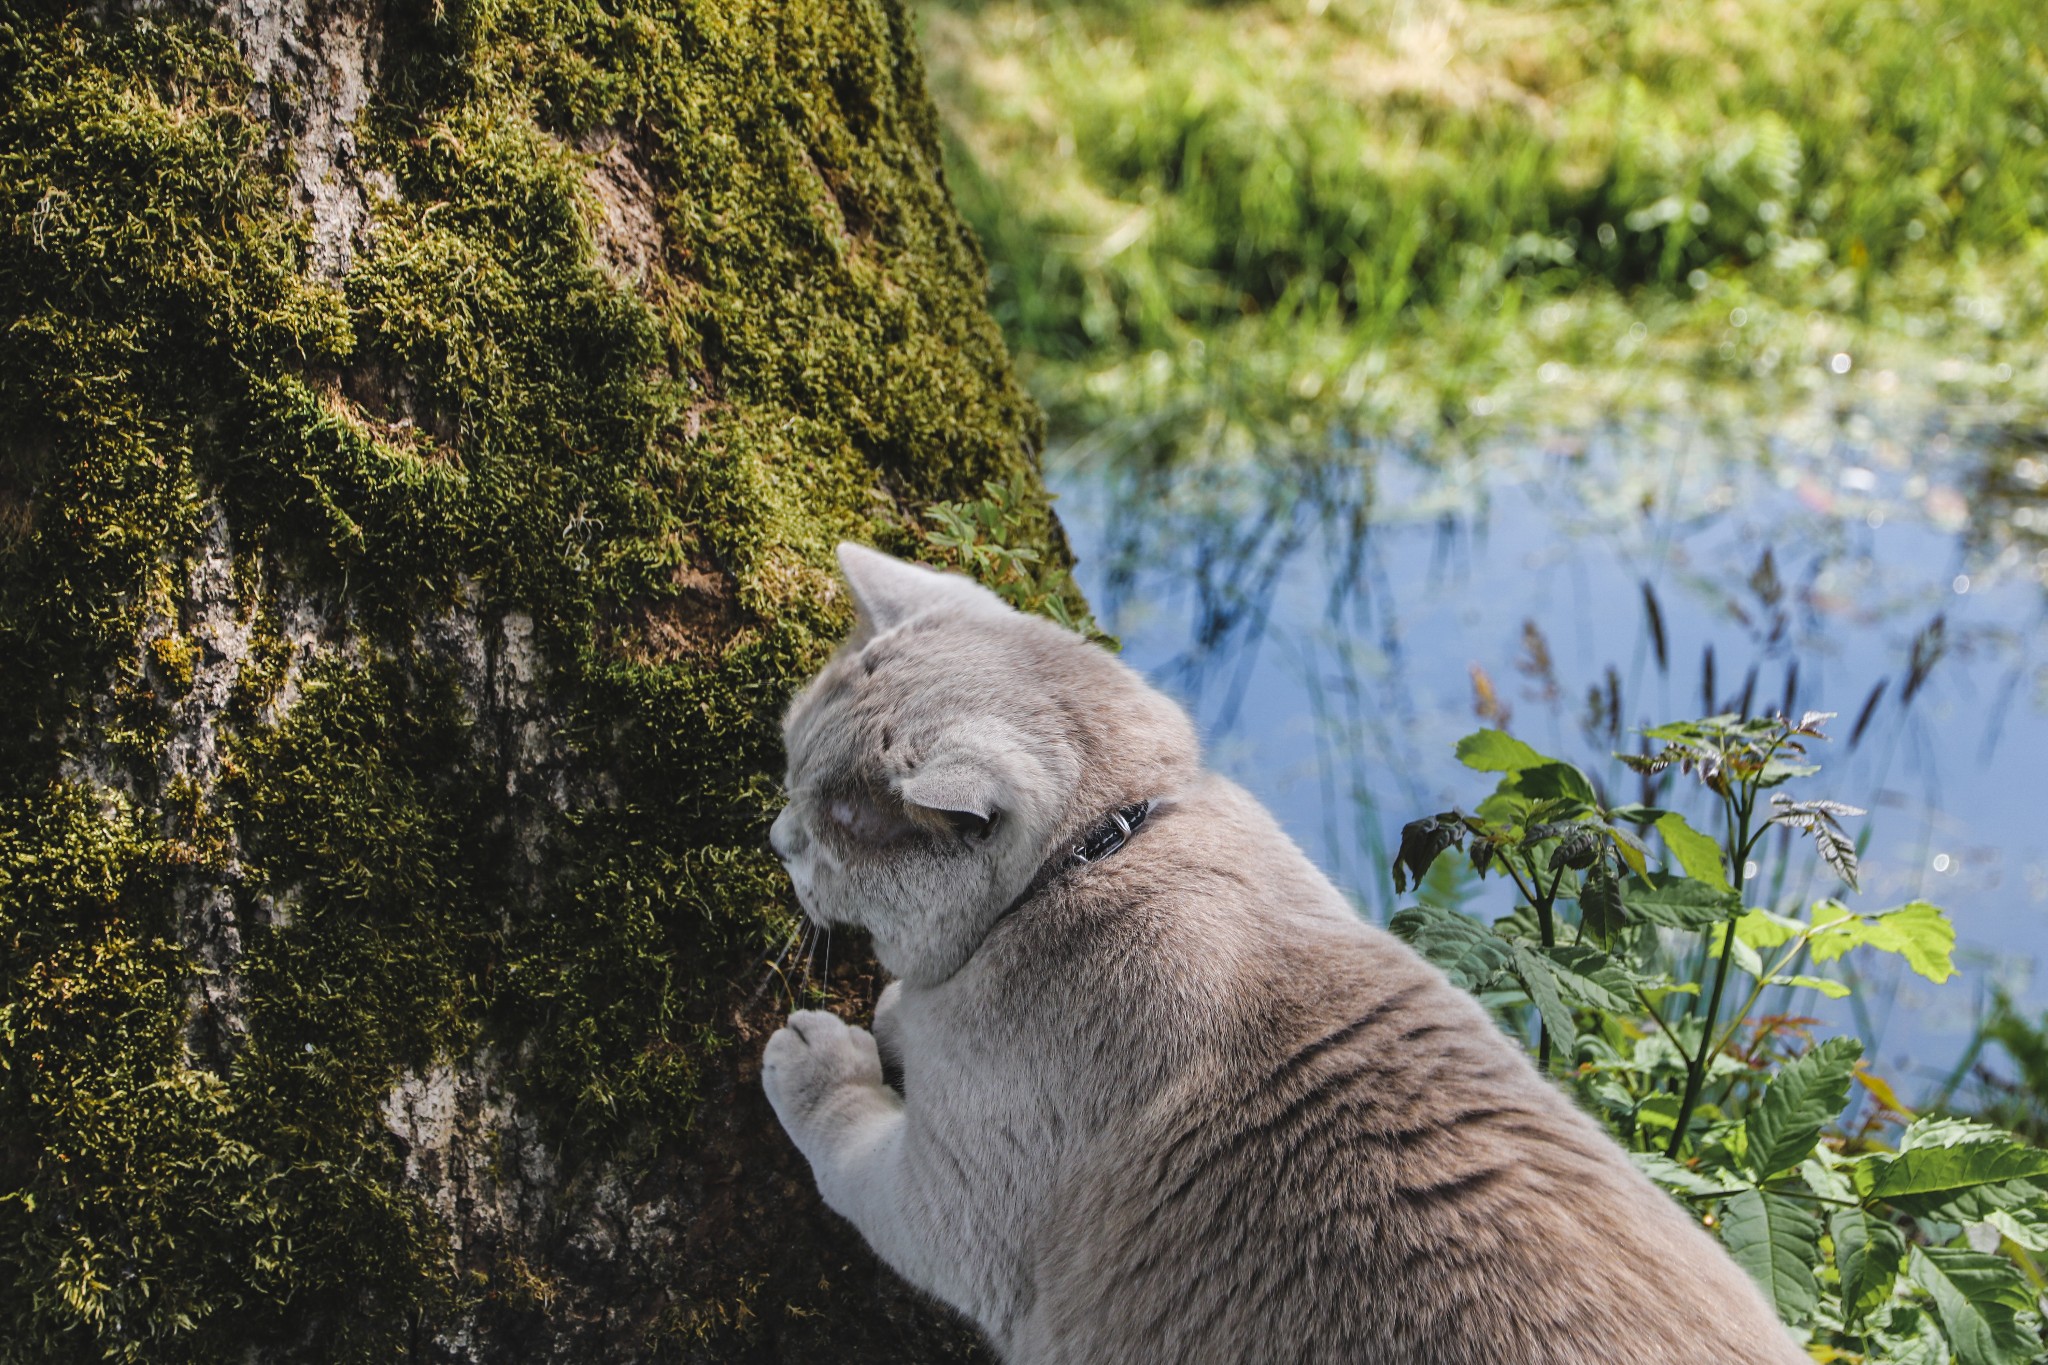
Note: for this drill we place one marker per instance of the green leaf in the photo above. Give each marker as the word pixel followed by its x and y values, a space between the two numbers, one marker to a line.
pixel 1538 976
pixel 1550 781
pixel 1678 902
pixel 1826 985
pixel 1745 957
pixel 1585 976
pixel 1785 1124
pixel 1940 1130
pixel 1777 1240
pixel 1658 1111
pixel 1601 907
pixel 2028 1227
pixel 1974 1177
pixel 1910 1337
pixel 1421 841
pixel 1466 950
pixel 1920 933
pixel 1763 929
pixel 1578 844
pixel 1497 751
pixel 1978 1299
pixel 1779 771
pixel 1630 849
pixel 1917 931
pixel 1696 853
pixel 1868 1253
pixel 1673 1175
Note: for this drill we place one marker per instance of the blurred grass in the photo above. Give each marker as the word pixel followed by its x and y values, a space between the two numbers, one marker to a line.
pixel 1231 226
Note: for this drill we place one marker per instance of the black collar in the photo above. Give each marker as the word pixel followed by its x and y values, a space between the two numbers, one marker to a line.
pixel 1091 845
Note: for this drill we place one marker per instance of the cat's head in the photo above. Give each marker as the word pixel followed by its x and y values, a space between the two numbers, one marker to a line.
pixel 949 747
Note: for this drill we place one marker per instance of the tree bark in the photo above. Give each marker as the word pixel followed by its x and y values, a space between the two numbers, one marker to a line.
pixel 423 432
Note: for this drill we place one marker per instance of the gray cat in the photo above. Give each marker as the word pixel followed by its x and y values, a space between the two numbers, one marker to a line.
pixel 1165 1096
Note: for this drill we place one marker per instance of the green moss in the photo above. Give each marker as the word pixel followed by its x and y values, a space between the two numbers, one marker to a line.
pixel 500 414
pixel 176 659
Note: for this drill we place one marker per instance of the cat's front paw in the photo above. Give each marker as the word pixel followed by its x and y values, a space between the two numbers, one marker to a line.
pixel 814 1067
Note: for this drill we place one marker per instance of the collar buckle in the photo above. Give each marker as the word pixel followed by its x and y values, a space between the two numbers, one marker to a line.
pixel 1109 835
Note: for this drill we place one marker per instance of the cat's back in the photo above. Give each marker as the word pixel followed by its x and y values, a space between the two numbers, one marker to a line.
pixel 1331 1153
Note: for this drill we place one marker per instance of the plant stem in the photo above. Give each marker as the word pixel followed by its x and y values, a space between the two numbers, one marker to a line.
pixel 1658 1020
pixel 1696 1070
pixel 1546 929
pixel 1798 946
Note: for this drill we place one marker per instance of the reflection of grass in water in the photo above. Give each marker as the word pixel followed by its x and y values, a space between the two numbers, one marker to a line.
pixel 1248 222
pixel 1776 580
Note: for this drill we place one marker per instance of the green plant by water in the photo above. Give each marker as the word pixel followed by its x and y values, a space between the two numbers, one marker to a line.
pixel 1878 1234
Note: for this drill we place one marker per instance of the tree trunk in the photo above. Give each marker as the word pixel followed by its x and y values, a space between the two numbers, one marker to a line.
pixel 423 432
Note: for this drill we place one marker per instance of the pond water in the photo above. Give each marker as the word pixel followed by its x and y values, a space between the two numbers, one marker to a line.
pixel 1336 623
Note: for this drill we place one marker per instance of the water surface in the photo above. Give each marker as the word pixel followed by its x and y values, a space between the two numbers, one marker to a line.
pixel 1336 623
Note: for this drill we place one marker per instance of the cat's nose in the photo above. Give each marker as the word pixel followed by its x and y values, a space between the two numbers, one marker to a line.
pixel 784 836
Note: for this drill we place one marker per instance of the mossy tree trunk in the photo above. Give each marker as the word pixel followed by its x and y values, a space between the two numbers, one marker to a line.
pixel 423 431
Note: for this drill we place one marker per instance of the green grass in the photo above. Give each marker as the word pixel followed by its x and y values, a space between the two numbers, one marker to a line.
pixel 1224 226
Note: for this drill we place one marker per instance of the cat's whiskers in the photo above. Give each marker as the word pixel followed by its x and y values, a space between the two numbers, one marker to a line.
pixel 774 964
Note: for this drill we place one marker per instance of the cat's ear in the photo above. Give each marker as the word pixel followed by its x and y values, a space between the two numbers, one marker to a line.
pixel 889 591
pixel 960 789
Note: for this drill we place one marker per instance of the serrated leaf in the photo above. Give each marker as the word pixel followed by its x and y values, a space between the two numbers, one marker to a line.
pixel 1777 1240
pixel 1673 1175
pixel 1585 976
pixel 1497 751
pixel 1421 843
pixel 1910 1337
pixel 1868 1254
pixel 1678 902
pixel 1940 1130
pixel 1786 806
pixel 1577 847
pixel 1917 931
pixel 1505 807
pixel 1553 781
pixel 1630 849
pixel 1817 818
pixel 1785 1124
pixel 1695 852
pixel 1826 985
pixel 1765 929
pixel 1920 933
pixel 1782 770
pixel 1745 957
pixel 1601 907
pixel 1539 978
pixel 1978 1299
pixel 1463 948
pixel 2026 1226
pixel 1967 1180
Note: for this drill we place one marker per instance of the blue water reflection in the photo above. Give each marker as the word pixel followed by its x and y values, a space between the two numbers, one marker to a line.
pixel 1335 623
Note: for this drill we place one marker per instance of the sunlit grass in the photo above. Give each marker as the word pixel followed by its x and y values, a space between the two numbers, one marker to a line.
pixel 1232 226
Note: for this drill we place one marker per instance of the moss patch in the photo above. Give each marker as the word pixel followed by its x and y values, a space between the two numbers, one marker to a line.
pixel 529 518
